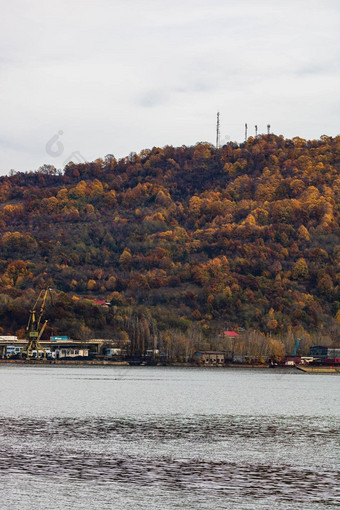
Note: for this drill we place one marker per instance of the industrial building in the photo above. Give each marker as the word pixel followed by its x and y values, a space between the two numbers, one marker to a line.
pixel 324 352
pixel 209 358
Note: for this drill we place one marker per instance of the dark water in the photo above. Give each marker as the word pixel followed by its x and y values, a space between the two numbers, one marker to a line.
pixel 168 438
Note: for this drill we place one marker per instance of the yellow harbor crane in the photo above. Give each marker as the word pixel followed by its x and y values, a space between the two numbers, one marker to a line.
pixel 35 328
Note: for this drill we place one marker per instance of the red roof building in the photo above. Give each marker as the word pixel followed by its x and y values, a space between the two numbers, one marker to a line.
pixel 100 302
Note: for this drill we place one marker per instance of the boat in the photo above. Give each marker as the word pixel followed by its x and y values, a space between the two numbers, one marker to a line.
pixel 320 369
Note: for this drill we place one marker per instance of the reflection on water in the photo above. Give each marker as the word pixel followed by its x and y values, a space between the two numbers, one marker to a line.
pixel 207 460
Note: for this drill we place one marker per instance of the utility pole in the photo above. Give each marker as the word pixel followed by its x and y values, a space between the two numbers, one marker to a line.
pixel 245 132
pixel 255 130
pixel 218 131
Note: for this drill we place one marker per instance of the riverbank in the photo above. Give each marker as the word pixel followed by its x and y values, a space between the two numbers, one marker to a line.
pixel 101 362
pixel 61 362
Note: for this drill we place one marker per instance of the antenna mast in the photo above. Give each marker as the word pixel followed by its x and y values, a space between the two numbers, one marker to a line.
pixel 255 130
pixel 218 131
pixel 246 132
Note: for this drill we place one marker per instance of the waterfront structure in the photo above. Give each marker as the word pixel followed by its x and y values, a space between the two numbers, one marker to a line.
pixel 292 360
pixel 113 351
pixel 12 350
pixel 67 352
pixel 324 352
pixel 54 349
pixel 209 358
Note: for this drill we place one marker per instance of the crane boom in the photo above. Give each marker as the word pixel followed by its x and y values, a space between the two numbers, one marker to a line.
pixel 296 346
pixel 34 329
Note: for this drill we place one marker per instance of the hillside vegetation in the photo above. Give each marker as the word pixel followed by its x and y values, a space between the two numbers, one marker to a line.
pixel 246 236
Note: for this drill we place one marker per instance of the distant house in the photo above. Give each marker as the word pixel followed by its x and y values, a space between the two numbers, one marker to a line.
pixel 209 358
pixel 101 302
pixel 324 352
pixel 230 334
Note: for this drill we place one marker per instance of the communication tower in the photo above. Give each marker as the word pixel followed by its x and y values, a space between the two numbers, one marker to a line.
pixel 218 131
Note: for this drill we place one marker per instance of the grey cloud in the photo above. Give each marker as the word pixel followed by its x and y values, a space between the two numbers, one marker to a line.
pixel 90 67
pixel 152 98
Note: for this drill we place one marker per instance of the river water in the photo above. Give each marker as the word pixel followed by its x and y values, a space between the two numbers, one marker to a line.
pixel 168 438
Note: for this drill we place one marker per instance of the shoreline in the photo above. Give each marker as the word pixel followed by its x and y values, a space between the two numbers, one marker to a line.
pixel 98 363
pixel 126 363
pixel 95 362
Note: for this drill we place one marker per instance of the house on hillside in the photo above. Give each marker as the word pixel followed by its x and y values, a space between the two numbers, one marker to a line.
pixel 101 302
pixel 229 334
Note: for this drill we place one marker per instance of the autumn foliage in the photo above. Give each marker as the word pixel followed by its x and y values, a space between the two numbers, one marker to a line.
pixel 246 236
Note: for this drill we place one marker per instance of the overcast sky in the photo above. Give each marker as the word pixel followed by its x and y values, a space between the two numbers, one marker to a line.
pixel 116 76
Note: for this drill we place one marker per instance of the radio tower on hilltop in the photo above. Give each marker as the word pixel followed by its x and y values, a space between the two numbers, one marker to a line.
pixel 218 131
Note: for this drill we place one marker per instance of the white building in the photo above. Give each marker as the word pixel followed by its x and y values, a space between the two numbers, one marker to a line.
pixel 70 352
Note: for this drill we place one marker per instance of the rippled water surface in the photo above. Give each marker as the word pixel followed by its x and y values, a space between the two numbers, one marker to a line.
pixel 168 438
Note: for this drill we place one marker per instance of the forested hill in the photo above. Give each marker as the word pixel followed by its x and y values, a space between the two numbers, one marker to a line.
pixel 246 236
